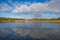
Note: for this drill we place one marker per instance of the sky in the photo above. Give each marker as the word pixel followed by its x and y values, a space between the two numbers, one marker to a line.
pixel 30 8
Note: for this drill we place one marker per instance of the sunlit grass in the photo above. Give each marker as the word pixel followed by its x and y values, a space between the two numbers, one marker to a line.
pixel 29 20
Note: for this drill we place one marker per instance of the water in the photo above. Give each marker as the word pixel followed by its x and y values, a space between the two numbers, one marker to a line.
pixel 30 29
pixel 30 25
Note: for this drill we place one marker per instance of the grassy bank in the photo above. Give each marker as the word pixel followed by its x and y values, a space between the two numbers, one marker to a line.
pixel 29 20
pixel 44 20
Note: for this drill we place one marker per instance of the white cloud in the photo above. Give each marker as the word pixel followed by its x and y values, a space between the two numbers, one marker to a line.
pixel 4 7
pixel 22 8
pixel 37 7
pixel 53 6
pixel 33 8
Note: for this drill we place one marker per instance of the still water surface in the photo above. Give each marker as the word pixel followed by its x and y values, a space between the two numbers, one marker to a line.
pixel 33 29
pixel 31 25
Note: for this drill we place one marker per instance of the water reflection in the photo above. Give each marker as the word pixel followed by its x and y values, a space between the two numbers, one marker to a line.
pixel 30 31
pixel 30 25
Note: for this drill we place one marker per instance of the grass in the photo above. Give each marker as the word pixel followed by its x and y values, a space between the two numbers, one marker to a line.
pixel 29 20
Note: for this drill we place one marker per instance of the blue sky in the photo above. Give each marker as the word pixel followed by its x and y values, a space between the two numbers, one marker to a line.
pixel 42 1
pixel 30 8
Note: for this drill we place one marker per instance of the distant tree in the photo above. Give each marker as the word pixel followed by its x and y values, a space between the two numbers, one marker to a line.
pixel 58 18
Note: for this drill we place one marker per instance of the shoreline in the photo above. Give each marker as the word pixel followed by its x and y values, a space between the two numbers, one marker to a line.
pixel 29 20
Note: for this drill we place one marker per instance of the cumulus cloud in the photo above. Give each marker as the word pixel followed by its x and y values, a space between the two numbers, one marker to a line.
pixel 33 8
pixel 4 7
pixel 26 7
pixel 53 6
